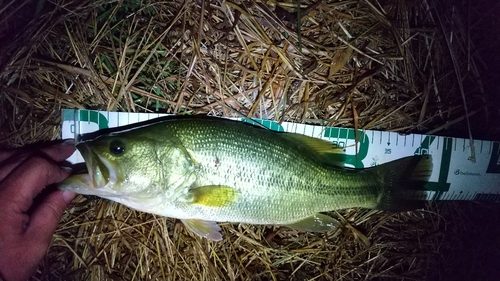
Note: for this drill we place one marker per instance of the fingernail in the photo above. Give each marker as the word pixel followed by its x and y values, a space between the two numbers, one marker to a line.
pixel 68 196
pixel 66 168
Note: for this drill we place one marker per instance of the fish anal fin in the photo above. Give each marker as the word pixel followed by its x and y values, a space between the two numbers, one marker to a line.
pixel 205 229
pixel 214 195
pixel 325 151
pixel 316 223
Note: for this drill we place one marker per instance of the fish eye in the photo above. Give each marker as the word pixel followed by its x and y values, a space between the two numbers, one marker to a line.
pixel 117 147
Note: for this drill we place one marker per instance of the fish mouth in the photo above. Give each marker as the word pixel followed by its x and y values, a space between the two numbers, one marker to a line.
pixel 101 171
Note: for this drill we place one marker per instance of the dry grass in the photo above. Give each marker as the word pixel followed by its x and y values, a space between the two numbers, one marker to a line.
pixel 397 65
pixel 106 241
pixel 383 65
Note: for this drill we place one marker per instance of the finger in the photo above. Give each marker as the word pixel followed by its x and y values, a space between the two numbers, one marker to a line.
pixel 60 151
pixel 45 218
pixel 10 159
pixel 28 179
pixel 4 154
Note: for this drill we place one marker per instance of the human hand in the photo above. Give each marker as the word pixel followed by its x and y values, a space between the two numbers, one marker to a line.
pixel 28 216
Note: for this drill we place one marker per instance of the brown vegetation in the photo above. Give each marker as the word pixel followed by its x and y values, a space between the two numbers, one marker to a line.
pixel 397 65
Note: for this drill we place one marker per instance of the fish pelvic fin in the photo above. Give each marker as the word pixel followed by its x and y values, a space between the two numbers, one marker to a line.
pixel 205 229
pixel 403 183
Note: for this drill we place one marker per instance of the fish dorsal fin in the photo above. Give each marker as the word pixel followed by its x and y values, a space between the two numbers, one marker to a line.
pixel 324 151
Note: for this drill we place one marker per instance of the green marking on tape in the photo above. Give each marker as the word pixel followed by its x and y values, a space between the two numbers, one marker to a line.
pixel 445 160
pixel 343 134
pixel 69 114
pixel 442 185
pixel 424 146
pixel 494 164
pixel 437 186
pixel 272 125
pixel 94 117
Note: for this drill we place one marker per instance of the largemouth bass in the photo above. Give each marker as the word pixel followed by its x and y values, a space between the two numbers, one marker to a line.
pixel 204 170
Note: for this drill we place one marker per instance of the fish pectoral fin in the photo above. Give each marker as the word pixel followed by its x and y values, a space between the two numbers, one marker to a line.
pixel 324 151
pixel 316 223
pixel 205 229
pixel 214 195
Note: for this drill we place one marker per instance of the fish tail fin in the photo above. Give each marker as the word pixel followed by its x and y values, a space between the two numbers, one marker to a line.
pixel 403 183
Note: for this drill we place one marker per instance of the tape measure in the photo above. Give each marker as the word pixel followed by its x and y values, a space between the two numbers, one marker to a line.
pixel 461 171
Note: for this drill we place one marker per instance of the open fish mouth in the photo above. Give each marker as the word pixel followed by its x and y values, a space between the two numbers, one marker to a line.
pixel 101 171
pixel 102 178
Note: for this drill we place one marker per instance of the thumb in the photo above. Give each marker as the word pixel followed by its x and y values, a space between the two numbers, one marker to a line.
pixel 45 218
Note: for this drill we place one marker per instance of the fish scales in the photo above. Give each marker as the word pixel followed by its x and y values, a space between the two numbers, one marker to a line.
pixel 268 171
pixel 205 170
